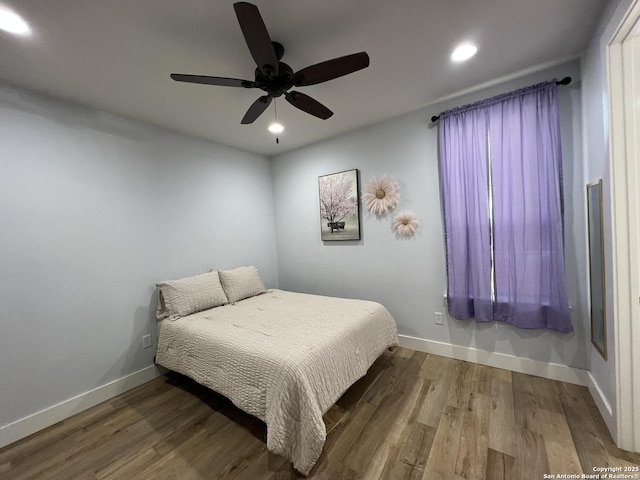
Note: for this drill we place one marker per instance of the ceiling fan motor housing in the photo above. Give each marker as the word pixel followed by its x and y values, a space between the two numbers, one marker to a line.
pixel 278 85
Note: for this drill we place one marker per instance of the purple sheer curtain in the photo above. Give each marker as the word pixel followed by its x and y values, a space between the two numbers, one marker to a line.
pixel 513 170
pixel 465 187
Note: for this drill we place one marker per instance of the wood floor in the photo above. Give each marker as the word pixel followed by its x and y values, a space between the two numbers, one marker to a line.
pixel 414 416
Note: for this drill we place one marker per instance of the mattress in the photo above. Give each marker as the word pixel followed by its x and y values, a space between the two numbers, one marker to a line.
pixel 283 357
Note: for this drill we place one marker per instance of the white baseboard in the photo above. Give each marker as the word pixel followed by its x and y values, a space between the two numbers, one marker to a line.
pixel 45 418
pixel 552 371
pixel 603 405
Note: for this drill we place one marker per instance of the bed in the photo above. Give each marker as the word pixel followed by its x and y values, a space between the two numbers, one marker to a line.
pixel 283 357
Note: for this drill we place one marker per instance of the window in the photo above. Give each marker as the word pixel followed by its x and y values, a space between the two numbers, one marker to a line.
pixel 501 169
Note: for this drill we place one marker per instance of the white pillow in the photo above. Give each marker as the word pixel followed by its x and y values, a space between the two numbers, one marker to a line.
pixel 178 298
pixel 240 283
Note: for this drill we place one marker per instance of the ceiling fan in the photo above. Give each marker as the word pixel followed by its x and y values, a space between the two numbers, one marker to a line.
pixel 275 77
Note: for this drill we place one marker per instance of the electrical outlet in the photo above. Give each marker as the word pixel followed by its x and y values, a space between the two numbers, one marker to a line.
pixel 147 341
pixel 438 317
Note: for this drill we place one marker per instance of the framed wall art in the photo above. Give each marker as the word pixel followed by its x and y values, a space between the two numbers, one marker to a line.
pixel 339 206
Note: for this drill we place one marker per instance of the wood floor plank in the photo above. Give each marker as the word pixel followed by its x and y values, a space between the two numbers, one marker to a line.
pixel 412 455
pixel 500 466
pixel 551 423
pixel 363 403
pixel 444 451
pixel 460 390
pixel 342 440
pixel 388 451
pixel 525 402
pixel 441 372
pixel 333 417
pixel 399 375
pixel 471 461
pixel 38 447
pixel 415 441
pixel 531 460
pixel 538 409
pixel 265 467
pixel 392 411
pixel 502 420
pixel 108 436
pixel 413 416
pixel 149 449
pixel 130 466
pixel 584 432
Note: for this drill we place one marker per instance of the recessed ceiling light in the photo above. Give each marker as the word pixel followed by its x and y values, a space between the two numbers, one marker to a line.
pixel 276 127
pixel 464 52
pixel 13 23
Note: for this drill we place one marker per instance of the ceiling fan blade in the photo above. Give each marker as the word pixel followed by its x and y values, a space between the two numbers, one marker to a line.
pixel 205 80
pixel 321 72
pixel 256 109
pixel 257 38
pixel 308 104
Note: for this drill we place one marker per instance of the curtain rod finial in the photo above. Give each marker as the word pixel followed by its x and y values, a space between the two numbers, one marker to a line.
pixel 435 118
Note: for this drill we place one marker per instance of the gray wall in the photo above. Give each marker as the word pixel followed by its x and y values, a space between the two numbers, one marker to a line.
pixel 408 275
pixel 94 210
pixel 596 149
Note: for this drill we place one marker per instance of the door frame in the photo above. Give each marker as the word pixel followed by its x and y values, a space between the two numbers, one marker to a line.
pixel 624 150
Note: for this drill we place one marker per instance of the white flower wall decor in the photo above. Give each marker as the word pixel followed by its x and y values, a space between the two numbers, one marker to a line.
pixel 405 224
pixel 380 196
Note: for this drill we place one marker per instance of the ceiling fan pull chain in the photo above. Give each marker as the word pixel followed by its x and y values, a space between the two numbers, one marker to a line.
pixel 275 109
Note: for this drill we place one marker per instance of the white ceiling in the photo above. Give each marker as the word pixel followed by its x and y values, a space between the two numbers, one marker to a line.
pixel 116 55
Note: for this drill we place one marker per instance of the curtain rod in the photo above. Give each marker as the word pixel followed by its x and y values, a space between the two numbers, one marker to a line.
pixel 564 81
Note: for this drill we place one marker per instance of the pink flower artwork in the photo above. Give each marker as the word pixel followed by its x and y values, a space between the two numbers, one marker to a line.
pixel 405 224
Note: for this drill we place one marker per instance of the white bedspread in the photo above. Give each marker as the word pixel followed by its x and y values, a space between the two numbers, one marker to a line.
pixel 283 357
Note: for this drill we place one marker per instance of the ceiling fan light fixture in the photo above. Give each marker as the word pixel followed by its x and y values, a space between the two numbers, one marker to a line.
pixel 276 127
pixel 463 52
pixel 13 23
